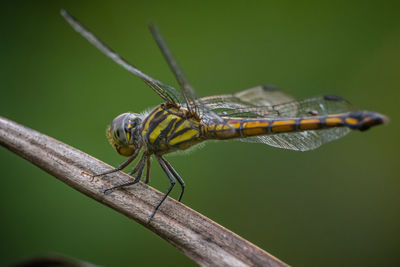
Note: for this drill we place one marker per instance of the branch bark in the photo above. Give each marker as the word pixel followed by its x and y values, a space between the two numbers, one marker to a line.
pixel 202 240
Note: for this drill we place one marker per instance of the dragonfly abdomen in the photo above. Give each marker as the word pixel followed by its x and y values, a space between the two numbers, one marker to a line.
pixel 240 127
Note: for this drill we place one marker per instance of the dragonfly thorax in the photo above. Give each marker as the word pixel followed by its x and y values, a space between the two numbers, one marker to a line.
pixel 124 133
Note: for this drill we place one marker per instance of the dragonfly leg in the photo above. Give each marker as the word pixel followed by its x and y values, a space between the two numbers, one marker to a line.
pixel 120 167
pixel 171 179
pixel 176 175
pixel 147 171
pixel 141 165
pixel 136 168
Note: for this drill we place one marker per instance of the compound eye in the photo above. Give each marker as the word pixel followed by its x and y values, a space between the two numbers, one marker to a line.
pixel 122 136
pixel 119 136
pixel 132 123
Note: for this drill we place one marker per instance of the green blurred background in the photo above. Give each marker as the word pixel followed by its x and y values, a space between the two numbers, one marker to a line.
pixel 335 206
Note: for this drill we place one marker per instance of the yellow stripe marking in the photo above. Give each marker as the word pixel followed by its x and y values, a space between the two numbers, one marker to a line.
pixel 251 124
pixel 333 121
pixel 222 129
pixel 146 126
pixel 234 123
pixel 253 131
pixel 309 124
pixel 224 126
pixel 173 126
pixel 351 121
pixel 219 127
pixel 283 126
pixel 184 137
pixel 184 125
pixel 251 128
pixel 283 122
pixel 160 127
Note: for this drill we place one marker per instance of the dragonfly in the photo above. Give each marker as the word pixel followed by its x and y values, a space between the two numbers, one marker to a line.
pixel 262 114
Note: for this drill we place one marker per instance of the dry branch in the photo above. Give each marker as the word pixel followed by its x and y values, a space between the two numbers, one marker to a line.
pixel 198 237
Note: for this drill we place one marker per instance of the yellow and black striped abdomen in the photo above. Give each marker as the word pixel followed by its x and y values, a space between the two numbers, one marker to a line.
pixel 167 129
pixel 237 128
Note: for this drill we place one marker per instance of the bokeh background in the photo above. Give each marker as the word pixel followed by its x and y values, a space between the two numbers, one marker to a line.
pixel 335 206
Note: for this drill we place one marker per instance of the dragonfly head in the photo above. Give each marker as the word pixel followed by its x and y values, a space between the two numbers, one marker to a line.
pixel 124 133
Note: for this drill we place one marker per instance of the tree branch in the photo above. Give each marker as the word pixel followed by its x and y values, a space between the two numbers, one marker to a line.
pixel 198 237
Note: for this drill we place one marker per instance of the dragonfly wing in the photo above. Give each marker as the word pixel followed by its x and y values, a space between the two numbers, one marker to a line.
pixel 256 103
pixel 193 103
pixel 187 90
pixel 251 103
pixel 314 106
pixel 300 141
pixel 311 139
pixel 266 102
pixel 257 96
pixel 168 93
pixel 264 95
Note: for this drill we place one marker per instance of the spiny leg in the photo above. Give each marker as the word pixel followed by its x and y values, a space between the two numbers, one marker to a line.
pixel 137 179
pixel 171 179
pixel 136 168
pixel 147 171
pixel 120 167
pixel 181 182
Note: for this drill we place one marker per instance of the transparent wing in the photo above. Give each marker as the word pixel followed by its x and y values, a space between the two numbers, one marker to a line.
pixel 193 103
pixel 267 102
pixel 187 90
pixel 314 106
pixel 305 140
pixel 251 103
pixel 300 141
pixel 262 102
pixel 168 93
pixel 260 96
